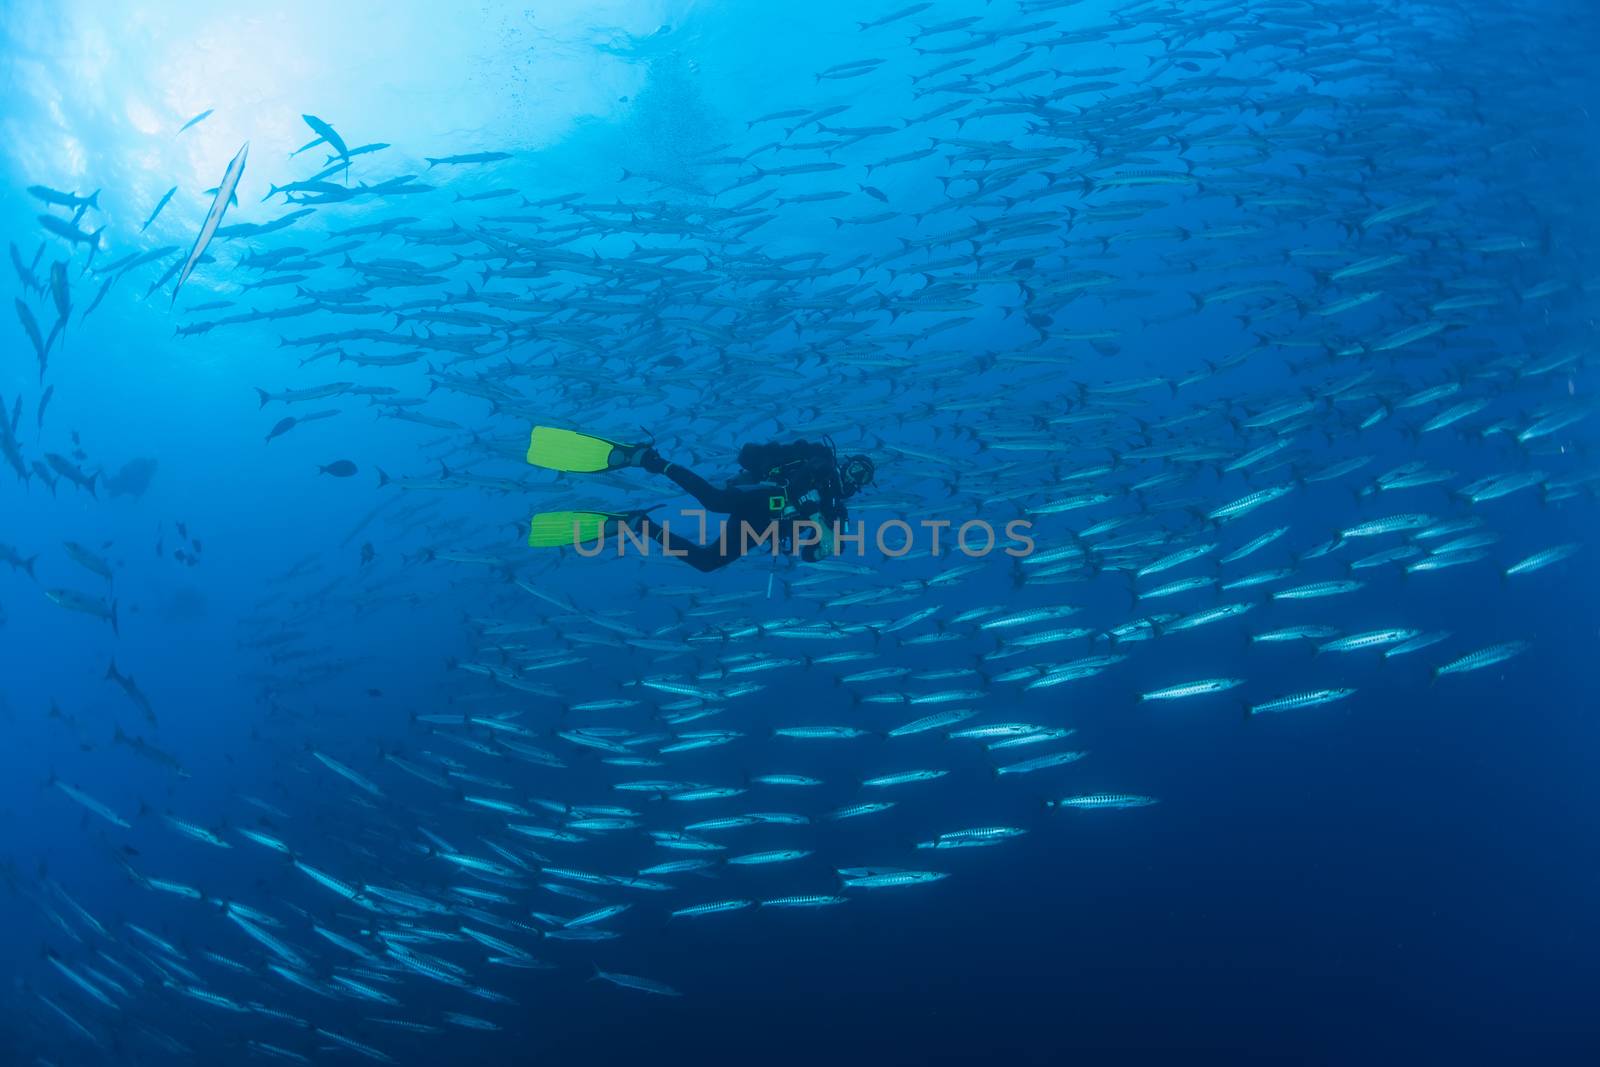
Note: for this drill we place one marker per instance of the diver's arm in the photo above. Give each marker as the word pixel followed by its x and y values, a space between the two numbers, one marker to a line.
pixel 832 516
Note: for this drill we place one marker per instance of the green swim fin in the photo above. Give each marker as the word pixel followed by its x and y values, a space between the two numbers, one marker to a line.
pixel 567 450
pixel 562 529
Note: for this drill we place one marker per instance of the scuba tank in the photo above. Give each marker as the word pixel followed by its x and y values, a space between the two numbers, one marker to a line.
pixel 800 480
pixel 804 474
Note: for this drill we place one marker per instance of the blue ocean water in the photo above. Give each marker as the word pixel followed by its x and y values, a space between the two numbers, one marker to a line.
pixel 1105 267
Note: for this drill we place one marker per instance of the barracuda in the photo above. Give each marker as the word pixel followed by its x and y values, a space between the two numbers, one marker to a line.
pixel 1255 545
pixel 718 907
pixel 1296 701
pixel 1103 801
pixel 1483 657
pixel 885 781
pixel 1203 687
pixel 1317 590
pixel 885 878
pixel 1038 763
pixel 1369 639
pixel 1541 559
pixel 979 837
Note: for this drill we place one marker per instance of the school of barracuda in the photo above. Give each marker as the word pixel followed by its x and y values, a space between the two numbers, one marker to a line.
pixel 1297 167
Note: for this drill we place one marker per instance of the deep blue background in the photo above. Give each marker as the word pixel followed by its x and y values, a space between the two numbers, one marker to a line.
pixel 1407 876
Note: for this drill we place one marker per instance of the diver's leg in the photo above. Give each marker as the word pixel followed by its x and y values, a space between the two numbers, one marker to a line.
pixel 745 505
pixel 710 497
pixel 703 558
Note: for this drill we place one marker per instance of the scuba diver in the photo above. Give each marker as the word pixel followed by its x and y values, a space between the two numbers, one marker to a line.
pixel 790 488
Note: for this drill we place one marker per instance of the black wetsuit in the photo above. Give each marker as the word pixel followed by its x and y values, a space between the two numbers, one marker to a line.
pixel 786 483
